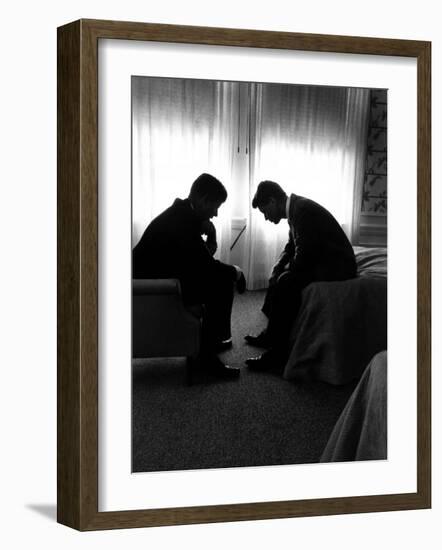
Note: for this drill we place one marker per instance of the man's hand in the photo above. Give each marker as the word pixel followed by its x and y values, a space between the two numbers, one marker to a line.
pixel 274 276
pixel 240 283
pixel 208 229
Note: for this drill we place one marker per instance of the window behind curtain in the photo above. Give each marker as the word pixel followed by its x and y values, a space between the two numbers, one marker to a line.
pixel 181 128
pixel 310 139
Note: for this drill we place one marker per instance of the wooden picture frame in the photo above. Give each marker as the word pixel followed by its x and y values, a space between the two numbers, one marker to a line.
pixel 77 225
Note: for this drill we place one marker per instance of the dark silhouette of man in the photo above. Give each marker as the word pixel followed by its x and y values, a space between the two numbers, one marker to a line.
pixel 172 246
pixel 317 250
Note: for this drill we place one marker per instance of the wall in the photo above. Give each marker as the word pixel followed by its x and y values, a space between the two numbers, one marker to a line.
pixel 373 229
pixel 28 298
pixel 374 199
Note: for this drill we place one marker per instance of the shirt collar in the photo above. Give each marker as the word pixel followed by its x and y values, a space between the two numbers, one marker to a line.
pixel 287 207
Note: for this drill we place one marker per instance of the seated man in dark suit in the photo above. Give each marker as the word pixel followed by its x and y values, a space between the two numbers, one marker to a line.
pixel 172 246
pixel 317 250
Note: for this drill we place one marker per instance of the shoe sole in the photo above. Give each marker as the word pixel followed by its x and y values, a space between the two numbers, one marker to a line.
pixel 258 344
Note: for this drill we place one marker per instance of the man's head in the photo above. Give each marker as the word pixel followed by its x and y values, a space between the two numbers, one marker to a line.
pixel 206 195
pixel 270 198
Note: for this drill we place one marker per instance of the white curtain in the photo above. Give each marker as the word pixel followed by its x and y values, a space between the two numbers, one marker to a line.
pixel 311 140
pixel 354 158
pixel 181 128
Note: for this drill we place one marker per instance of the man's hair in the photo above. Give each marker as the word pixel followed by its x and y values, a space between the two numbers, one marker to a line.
pixel 267 190
pixel 207 186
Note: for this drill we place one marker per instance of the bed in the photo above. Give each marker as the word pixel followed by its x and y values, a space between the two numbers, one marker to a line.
pixel 341 325
pixel 361 430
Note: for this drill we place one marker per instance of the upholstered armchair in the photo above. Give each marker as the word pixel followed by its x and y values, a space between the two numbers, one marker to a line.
pixel 161 325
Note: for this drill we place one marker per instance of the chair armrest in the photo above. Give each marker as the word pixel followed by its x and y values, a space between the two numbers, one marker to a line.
pixel 162 326
pixel 156 286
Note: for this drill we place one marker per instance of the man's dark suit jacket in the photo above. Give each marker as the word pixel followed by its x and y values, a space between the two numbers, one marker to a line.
pixel 172 247
pixel 317 245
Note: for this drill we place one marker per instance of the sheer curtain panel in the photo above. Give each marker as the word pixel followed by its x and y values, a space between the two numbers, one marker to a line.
pixel 311 140
pixel 181 128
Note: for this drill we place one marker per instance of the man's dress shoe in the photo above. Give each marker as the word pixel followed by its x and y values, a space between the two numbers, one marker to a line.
pixel 259 341
pixel 223 345
pixel 219 369
pixel 265 362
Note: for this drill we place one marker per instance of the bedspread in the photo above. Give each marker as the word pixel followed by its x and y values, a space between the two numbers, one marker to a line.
pixel 361 430
pixel 341 325
pixel 371 262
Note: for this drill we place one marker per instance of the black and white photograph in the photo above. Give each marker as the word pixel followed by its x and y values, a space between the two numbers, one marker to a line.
pixel 259 274
pixel 218 219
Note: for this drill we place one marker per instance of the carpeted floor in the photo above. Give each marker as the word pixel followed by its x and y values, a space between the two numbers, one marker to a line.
pixel 259 419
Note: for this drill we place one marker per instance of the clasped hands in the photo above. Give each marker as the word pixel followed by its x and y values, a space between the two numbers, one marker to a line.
pixel 208 229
